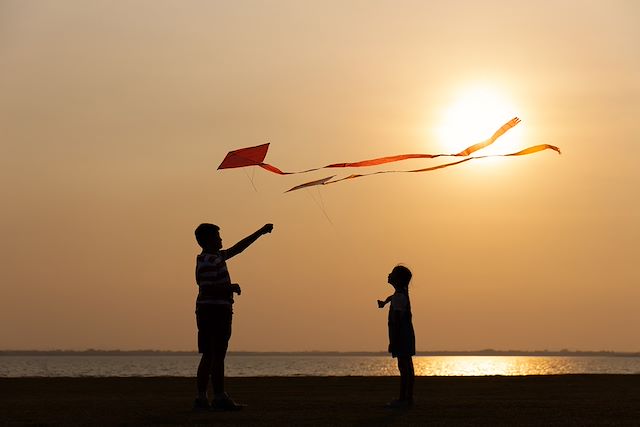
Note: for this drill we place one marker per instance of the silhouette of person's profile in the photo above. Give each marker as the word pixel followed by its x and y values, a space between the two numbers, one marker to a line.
pixel 214 311
pixel 402 341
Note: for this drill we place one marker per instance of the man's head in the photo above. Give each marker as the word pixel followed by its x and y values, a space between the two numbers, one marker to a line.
pixel 208 237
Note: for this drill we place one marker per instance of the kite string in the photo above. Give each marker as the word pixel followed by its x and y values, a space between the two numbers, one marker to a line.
pixel 323 205
pixel 251 178
pixel 320 205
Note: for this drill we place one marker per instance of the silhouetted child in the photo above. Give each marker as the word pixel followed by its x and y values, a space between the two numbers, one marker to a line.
pixel 214 311
pixel 402 341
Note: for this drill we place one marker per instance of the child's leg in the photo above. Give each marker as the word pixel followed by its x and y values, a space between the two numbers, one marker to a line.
pixel 407 377
pixel 411 377
pixel 403 377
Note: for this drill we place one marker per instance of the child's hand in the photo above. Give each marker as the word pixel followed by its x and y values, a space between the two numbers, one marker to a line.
pixel 236 288
pixel 267 228
pixel 381 304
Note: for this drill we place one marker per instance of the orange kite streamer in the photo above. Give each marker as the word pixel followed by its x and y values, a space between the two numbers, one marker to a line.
pixel 254 156
pixel 530 150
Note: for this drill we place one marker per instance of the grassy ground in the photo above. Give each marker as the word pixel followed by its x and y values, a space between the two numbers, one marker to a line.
pixel 575 400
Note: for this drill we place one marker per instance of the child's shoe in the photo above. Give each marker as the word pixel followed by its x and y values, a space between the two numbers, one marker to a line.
pixel 399 404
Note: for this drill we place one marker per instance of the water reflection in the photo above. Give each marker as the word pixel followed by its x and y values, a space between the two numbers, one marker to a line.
pixel 305 365
pixel 477 365
pixel 516 365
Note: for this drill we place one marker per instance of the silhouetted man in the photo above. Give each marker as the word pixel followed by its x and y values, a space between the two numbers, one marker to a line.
pixel 214 311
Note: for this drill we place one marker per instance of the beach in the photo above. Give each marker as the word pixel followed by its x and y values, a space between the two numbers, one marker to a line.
pixel 308 401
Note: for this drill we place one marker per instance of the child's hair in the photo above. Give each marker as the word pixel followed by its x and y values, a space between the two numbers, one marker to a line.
pixel 403 274
pixel 204 232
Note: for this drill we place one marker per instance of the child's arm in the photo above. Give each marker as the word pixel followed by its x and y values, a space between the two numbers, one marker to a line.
pixel 381 304
pixel 247 241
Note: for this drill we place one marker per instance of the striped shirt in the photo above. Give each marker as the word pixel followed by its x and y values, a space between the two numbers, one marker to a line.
pixel 213 279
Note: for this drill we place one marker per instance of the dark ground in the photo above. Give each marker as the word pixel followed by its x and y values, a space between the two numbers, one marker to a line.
pixel 566 400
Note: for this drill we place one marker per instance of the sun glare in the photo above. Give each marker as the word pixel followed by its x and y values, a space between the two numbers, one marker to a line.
pixel 473 116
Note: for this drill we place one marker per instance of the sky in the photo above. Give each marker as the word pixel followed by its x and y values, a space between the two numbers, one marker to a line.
pixel 115 115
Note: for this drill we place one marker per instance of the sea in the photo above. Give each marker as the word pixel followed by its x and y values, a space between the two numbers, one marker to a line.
pixel 292 365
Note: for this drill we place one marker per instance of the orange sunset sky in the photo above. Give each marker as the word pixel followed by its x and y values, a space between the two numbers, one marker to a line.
pixel 115 115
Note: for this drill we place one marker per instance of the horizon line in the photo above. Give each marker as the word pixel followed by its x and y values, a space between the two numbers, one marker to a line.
pixel 331 352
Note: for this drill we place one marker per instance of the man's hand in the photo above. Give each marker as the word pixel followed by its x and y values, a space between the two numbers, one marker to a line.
pixel 236 288
pixel 381 304
pixel 267 228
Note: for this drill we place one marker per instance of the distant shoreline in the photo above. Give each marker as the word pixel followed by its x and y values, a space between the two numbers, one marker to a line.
pixel 489 352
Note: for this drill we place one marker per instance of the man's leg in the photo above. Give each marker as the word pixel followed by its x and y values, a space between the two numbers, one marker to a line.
pixel 204 369
pixel 221 400
pixel 217 369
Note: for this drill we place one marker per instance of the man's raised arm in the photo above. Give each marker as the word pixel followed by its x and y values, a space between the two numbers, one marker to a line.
pixel 247 241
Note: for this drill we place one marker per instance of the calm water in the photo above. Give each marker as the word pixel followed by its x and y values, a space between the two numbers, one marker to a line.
pixel 302 365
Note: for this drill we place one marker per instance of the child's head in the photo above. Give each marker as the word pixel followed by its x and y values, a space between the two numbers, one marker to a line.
pixel 400 277
pixel 208 237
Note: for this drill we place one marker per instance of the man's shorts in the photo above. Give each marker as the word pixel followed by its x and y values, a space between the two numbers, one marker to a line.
pixel 214 327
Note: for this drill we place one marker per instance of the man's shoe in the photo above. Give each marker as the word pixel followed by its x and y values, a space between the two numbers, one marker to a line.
pixel 225 403
pixel 201 404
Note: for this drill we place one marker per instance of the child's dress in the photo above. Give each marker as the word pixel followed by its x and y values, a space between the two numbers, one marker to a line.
pixel 402 340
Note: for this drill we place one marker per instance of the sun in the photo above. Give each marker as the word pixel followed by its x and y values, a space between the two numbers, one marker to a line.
pixel 473 116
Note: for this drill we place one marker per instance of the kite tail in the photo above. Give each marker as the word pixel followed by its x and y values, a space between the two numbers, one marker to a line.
pixel 273 169
pixel 328 180
pixel 497 134
pixel 254 156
